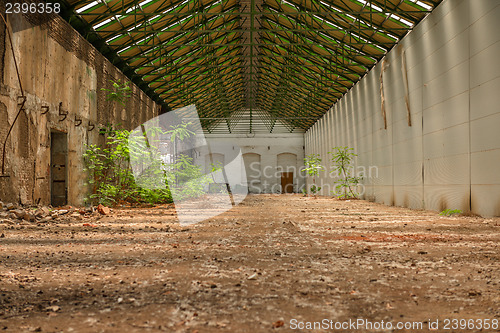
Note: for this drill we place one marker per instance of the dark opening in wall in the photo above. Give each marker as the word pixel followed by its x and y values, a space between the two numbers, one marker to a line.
pixel 58 170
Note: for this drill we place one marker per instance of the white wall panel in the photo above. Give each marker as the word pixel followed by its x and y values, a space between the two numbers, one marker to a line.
pixel 485 133
pixel 485 167
pixel 484 32
pixel 485 99
pixel 408 196
pixel 479 73
pixel 440 197
pixel 447 170
pixel 451 112
pixel 453 82
pixel 485 199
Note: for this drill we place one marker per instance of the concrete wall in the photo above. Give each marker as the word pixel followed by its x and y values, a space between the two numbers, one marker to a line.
pixel 450 156
pixel 56 66
pixel 269 147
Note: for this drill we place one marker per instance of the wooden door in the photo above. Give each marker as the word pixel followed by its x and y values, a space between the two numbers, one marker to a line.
pixel 287 182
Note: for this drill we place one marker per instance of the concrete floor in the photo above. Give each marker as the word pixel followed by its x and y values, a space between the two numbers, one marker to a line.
pixel 276 262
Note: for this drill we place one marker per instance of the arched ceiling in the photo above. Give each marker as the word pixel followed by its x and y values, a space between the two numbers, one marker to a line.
pixel 287 61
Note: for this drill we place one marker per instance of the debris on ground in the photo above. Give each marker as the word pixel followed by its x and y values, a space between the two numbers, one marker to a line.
pixel 254 268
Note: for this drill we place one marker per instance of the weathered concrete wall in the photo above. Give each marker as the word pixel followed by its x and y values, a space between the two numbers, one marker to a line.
pixel 57 67
pixel 449 158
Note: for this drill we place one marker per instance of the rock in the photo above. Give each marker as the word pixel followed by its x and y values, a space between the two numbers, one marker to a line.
pixel 59 212
pixel 19 213
pixel 10 206
pixel 103 210
pixel 45 219
pixel 28 216
pixel 77 216
pixel 252 277
pixel 4 215
pixel 1 205
pixel 53 308
pixel 12 216
pixel 44 211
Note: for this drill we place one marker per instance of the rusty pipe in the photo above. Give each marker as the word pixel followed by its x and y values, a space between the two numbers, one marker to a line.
pixel 7 32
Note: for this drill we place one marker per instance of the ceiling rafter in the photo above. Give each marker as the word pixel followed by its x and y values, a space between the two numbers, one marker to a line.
pixel 280 61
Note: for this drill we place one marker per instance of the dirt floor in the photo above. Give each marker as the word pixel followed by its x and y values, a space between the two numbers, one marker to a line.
pixel 275 263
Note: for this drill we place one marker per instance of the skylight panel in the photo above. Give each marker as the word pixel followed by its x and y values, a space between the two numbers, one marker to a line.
pixel 125 49
pixel 371 5
pixel 331 23
pixel 132 28
pixel 154 17
pixel 408 23
pixel 422 4
pixel 400 19
pixel 391 35
pixel 352 17
pixel 84 8
pixel 329 6
pixel 144 2
pixel 101 24
pixel 288 3
pixel 113 38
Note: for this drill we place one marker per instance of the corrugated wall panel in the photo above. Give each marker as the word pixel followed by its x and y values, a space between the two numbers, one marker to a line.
pixel 450 156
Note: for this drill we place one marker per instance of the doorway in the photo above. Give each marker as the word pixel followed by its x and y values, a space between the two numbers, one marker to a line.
pixel 252 172
pixel 287 182
pixel 58 170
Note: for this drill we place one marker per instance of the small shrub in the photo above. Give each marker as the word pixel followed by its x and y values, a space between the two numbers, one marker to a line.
pixel 109 174
pixel 119 93
pixel 450 212
pixel 343 158
pixel 313 167
pixel 109 166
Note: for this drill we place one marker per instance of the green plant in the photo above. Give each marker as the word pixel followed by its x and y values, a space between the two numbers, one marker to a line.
pixel 312 168
pixel 111 178
pixel 109 174
pixel 342 159
pixel 186 179
pixel 220 187
pixel 450 212
pixel 180 131
pixel 119 93
pixel 109 166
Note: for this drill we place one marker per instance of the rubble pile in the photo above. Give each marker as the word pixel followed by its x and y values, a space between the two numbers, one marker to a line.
pixel 11 213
